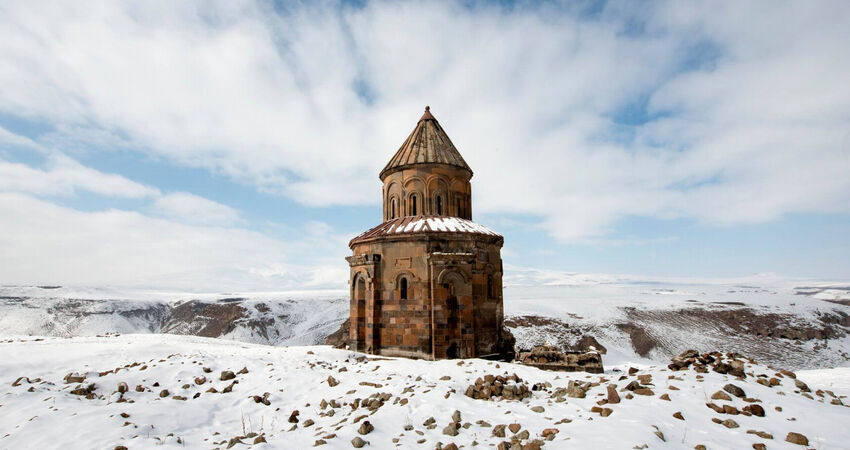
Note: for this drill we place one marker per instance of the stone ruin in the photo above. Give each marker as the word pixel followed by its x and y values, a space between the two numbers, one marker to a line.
pixel 549 357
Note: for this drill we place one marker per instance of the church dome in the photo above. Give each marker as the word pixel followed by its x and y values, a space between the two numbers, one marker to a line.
pixel 428 143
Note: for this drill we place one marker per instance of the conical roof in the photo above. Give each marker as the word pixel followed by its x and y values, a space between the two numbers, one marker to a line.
pixel 427 144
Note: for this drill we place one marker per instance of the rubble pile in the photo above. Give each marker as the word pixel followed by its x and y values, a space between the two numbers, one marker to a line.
pixel 510 387
pixel 549 357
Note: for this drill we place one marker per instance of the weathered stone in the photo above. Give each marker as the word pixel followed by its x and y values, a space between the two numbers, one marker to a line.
pixel 761 434
pixel 613 396
pixel 796 438
pixel 365 427
pixel 754 409
pixel 357 442
pixel 227 375
pixel 499 431
pixel 720 395
pixel 729 423
pixel 450 429
pixel 734 390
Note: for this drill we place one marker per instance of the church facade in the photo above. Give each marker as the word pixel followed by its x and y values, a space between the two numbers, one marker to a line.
pixel 427 282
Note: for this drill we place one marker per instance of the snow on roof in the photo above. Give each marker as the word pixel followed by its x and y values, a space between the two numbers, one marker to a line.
pixel 426 224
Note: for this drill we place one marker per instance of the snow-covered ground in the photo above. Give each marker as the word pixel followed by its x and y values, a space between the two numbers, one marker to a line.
pixel 41 412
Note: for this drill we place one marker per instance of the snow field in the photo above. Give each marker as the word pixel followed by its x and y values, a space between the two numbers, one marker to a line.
pixel 44 414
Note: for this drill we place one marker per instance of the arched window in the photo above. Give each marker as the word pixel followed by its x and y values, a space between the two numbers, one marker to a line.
pixel 490 286
pixel 413 205
pixel 439 205
pixel 393 209
pixel 403 288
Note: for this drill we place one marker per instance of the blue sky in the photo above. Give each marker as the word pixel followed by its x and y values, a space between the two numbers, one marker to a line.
pixel 218 145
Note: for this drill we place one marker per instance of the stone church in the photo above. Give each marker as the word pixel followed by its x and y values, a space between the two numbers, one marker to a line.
pixel 427 282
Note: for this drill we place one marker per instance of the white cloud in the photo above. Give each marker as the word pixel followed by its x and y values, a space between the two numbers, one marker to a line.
pixel 759 130
pixel 64 176
pixel 46 243
pixel 190 208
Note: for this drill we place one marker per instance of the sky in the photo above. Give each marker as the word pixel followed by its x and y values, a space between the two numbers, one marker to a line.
pixel 236 144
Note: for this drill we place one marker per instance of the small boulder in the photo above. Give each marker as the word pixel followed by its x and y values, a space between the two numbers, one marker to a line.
pixel 734 390
pixel 227 375
pixel 499 431
pixel 755 410
pixel 797 438
pixel 720 395
pixel 365 427
pixel 613 396
pixel 450 429
pixel 357 442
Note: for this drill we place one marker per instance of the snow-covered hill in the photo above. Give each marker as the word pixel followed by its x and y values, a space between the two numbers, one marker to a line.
pixel 288 318
pixel 796 324
pixel 298 397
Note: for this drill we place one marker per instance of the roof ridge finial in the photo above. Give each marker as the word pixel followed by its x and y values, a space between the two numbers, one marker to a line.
pixel 427 115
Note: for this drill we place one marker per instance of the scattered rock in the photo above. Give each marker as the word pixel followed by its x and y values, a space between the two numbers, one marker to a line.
pixel 720 395
pixel 74 378
pixel 734 390
pixel 332 381
pixel 729 423
pixel 549 433
pixel 293 418
pixel 357 442
pixel 450 429
pixel 754 409
pixel 514 427
pixel 797 438
pixel 537 409
pixel 164 393
pixel 613 396
pixel 678 415
pixel 499 431
pixel 761 434
pixel 366 428
pixel 227 375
